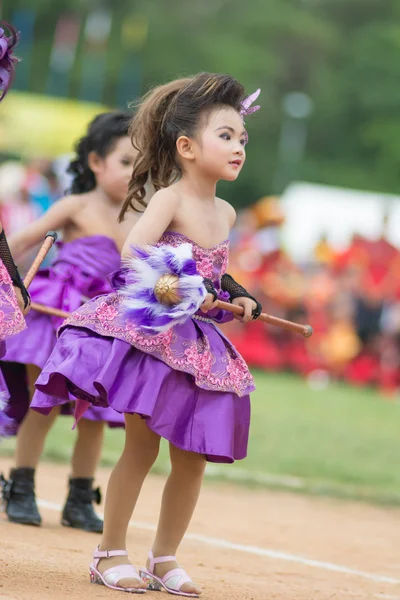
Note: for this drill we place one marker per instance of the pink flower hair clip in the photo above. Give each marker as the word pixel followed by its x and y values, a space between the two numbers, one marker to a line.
pixel 7 60
pixel 247 109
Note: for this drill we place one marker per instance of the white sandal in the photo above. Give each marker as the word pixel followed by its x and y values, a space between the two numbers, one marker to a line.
pixel 172 581
pixel 112 576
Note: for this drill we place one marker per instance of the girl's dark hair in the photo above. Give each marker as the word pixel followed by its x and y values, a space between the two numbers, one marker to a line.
pixel 101 137
pixel 166 113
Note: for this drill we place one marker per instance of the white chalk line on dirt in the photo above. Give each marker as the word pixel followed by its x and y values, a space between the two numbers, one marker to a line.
pixel 290 482
pixel 269 553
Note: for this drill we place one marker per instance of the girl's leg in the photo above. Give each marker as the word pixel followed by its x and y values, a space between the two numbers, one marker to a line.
pixel 139 454
pixel 21 505
pixel 180 496
pixel 34 429
pixel 87 449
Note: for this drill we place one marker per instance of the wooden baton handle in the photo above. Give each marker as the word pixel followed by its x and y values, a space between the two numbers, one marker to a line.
pixel 51 237
pixel 304 330
pixel 49 310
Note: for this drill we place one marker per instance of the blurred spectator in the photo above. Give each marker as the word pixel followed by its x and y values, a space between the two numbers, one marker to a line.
pixel 26 192
pixel 17 209
pixel 351 298
pixel 41 184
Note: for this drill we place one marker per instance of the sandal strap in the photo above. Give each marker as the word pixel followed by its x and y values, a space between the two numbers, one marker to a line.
pixel 109 553
pixel 159 559
pixel 99 554
pixel 115 574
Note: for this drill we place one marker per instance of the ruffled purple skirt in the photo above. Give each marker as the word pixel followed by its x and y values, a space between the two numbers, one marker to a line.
pixel 105 371
pixel 62 286
pixel 34 345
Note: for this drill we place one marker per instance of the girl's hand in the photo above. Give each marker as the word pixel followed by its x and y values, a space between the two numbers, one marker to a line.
pixel 21 302
pixel 209 303
pixel 248 306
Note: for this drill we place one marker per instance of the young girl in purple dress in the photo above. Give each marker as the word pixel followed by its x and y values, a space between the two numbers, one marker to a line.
pixel 187 384
pixel 89 252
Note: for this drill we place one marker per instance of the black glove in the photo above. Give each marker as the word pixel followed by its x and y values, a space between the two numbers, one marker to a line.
pixel 235 290
pixel 12 269
pixel 208 284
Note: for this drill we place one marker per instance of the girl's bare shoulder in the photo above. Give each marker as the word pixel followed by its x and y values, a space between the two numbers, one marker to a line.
pixel 227 210
pixel 170 195
pixel 73 201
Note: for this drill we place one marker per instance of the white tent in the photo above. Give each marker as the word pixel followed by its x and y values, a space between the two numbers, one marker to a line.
pixel 314 210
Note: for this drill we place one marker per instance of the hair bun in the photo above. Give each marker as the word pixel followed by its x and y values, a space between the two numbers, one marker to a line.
pixel 101 136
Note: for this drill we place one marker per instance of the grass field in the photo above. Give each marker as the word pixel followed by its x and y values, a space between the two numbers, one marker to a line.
pixel 341 441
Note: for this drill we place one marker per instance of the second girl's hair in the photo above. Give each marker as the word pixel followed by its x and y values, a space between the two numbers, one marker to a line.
pixel 167 112
pixel 102 135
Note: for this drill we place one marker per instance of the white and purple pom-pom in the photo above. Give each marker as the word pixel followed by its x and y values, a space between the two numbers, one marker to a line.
pixel 140 305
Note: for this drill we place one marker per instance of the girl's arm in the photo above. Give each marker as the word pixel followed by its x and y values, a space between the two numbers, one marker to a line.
pixel 157 217
pixel 55 218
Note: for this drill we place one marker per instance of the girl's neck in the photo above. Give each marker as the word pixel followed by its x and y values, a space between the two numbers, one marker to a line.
pixel 101 196
pixel 197 187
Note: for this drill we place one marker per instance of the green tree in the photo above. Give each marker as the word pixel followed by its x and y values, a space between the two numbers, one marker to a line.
pixel 342 53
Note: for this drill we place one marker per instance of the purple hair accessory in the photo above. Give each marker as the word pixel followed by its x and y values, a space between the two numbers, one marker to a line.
pixel 7 60
pixel 247 109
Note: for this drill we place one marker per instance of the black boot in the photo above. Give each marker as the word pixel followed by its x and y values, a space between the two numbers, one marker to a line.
pixel 78 511
pixel 18 495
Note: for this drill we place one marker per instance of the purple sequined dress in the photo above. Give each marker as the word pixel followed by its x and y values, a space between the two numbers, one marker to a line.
pixel 78 273
pixel 11 323
pixel 189 383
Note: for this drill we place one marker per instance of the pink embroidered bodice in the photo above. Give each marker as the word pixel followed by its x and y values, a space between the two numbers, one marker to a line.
pixel 211 262
pixel 11 318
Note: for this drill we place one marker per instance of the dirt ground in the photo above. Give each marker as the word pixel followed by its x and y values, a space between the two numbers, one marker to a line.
pixel 242 545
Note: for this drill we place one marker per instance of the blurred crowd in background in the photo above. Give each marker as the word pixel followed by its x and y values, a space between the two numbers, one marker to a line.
pixel 351 297
pixel 27 190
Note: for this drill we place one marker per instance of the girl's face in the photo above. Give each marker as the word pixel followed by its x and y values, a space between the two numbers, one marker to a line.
pixel 113 172
pixel 219 146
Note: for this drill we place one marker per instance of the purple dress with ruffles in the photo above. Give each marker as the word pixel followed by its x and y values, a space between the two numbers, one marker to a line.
pixel 189 383
pixel 11 323
pixel 78 273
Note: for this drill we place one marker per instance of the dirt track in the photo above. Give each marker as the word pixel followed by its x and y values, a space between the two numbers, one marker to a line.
pixel 51 562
